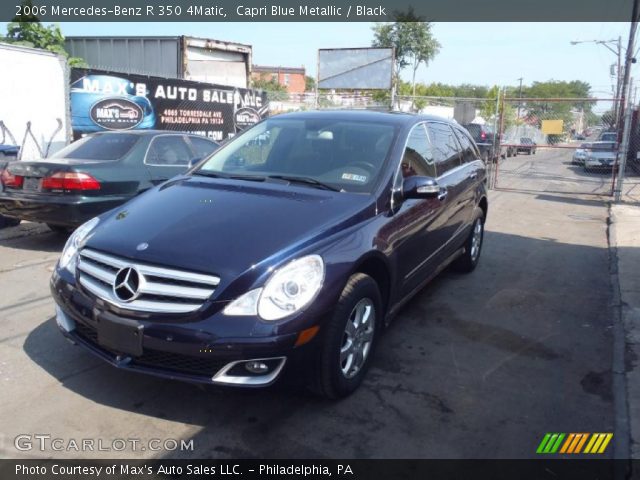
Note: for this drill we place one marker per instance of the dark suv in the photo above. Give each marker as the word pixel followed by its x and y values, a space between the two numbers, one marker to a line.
pixel 485 140
pixel 294 250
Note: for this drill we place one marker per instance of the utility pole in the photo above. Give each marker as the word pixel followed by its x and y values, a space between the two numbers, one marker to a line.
pixel 625 138
pixel 629 60
pixel 519 96
pixel 617 104
pixel 619 68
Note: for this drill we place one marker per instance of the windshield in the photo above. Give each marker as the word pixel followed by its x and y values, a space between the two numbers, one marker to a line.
pixel 340 154
pixel 107 146
pixel 609 137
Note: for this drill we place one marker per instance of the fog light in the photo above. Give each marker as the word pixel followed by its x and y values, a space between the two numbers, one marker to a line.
pixel 256 367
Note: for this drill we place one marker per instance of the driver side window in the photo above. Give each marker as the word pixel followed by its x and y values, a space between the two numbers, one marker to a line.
pixel 418 155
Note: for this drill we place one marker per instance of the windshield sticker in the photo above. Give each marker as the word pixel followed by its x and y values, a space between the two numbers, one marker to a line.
pixel 354 177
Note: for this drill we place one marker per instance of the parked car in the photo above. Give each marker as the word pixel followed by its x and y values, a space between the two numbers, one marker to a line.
pixel 580 154
pixel 507 148
pixel 485 139
pixel 527 146
pixel 6 221
pixel 295 251
pixel 95 174
pixel 601 156
pixel 9 153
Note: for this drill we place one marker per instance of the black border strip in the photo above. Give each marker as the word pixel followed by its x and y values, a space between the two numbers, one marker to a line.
pixel 327 10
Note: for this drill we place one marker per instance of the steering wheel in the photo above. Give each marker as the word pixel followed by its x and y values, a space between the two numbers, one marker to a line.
pixel 368 166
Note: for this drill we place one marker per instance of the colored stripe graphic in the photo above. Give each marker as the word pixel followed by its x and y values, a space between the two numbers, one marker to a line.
pixel 598 443
pixel 593 439
pixel 543 443
pixel 572 443
pixel 581 442
pixel 568 442
pixel 550 443
pixel 606 441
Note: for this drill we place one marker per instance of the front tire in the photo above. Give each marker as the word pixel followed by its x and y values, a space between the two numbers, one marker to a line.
pixel 349 339
pixel 468 261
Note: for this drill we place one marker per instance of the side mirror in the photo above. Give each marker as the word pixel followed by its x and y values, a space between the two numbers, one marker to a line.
pixel 420 187
pixel 193 162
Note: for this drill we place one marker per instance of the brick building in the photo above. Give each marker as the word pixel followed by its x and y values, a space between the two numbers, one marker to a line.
pixel 290 77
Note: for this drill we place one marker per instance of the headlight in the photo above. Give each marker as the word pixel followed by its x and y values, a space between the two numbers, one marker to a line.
pixel 69 255
pixel 288 290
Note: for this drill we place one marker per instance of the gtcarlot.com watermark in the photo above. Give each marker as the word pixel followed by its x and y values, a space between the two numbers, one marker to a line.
pixel 43 442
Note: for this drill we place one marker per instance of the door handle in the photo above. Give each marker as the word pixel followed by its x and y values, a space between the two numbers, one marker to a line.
pixel 443 194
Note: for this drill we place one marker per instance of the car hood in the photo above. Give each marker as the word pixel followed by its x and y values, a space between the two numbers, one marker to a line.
pixel 224 227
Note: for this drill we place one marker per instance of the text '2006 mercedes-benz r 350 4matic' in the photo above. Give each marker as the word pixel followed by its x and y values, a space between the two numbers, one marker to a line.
pixel 293 245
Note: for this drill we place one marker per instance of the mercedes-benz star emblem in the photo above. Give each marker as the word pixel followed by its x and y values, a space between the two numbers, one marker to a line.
pixel 126 284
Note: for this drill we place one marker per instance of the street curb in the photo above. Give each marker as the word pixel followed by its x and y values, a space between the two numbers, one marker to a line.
pixel 622 432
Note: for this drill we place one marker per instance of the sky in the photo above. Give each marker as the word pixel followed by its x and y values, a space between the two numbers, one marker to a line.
pixel 478 53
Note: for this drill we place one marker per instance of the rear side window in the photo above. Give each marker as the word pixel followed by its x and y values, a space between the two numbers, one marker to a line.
pixel 202 147
pixel 469 152
pixel 418 156
pixel 106 146
pixel 168 150
pixel 445 147
pixel 474 130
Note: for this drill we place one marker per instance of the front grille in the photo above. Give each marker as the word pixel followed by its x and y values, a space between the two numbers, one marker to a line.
pixel 179 363
pixel 86 332
pixel 158 289
pixel 157 359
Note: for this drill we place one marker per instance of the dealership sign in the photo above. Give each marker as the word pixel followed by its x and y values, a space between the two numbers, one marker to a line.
pixel 116 101
pixel 116 114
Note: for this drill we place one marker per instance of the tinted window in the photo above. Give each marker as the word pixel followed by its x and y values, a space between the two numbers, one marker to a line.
pixel 418 156
pixel 344 153
pixel 445 147
pixel 474 129
pixel 469 153
pixel 609 137
pixel 168 150
pixel 203 147
pixel 107 146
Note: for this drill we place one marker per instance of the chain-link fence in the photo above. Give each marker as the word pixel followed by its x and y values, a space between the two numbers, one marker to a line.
pixel 281 102
pixel 629 183
pixel 559 145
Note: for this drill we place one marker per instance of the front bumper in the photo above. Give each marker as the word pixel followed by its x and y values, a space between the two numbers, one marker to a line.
pixel 596 163
pixel 180 351
pixel 56 209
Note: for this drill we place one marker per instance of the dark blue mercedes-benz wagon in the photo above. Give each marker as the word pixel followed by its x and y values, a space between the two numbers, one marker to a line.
pixel 292 245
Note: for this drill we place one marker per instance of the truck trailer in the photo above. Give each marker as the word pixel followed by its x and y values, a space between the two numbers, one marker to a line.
pixel 188 58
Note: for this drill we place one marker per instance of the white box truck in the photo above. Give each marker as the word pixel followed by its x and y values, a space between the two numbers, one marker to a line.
pixel 34 103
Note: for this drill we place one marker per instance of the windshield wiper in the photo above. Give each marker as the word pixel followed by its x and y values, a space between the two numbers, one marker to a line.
pixel 251 178
pixel 206 173
pixel 306 181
